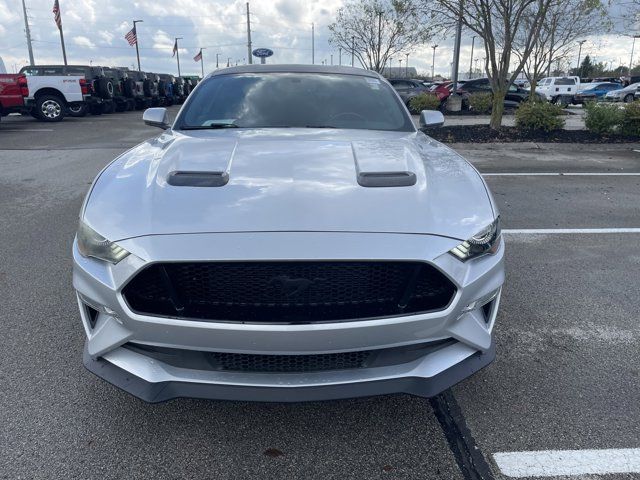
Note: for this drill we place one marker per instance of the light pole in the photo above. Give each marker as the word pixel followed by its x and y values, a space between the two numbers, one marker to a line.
pixel 473 41
pixel 579 53
pixel 632 49
pixel 433 62
pixel 406 66
pixel 217 55
pixel 313 44
pixel 340 56
pixel 135 30
pixel 400 69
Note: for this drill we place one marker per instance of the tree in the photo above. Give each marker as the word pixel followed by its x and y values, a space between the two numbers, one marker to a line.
pixel 587 68
pixel 501 24
pixel 565 23
pixel 377 30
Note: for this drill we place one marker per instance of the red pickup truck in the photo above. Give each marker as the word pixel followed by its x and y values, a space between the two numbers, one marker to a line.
pixel 13 94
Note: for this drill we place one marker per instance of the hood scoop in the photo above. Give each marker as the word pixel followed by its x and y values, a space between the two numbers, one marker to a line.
pixel 198 179
pixel 381 164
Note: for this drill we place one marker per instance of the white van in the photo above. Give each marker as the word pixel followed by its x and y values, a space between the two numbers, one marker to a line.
pixel 554 88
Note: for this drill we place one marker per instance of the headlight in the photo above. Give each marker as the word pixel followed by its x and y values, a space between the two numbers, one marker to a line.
pixel 92 244
pixel 486 240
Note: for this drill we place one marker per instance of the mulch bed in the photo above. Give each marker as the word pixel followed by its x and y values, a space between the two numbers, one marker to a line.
pixel 484 134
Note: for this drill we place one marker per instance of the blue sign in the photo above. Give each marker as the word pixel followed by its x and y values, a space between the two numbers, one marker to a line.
pixel 262 52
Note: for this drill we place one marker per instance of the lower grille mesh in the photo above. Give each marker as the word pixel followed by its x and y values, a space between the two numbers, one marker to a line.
pixel 288 292
pixel 289 363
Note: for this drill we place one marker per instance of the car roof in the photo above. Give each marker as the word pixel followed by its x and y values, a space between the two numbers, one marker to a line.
pixel 276 68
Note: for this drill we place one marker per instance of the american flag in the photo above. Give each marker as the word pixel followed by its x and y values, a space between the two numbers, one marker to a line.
pixel 131 37
pixel 175 48
pixel 198 57
pixel 56 14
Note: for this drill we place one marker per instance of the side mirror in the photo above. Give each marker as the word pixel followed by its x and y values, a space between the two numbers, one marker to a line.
pixel 156 117
pixel 428 118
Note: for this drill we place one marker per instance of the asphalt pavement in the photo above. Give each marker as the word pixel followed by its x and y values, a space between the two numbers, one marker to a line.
pixel 567 375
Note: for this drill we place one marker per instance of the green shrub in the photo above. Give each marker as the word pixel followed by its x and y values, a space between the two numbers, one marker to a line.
pixel 631 119
pixel 480 102
pixel 424 101
pixel 603 118
pixel 539 116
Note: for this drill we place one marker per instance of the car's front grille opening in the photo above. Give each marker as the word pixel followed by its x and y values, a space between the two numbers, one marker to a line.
pixel 250 363
pixel 487 309
pixel 288 292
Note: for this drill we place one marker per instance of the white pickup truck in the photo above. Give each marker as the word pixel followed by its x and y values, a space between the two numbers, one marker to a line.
pixel 55 90
pixel 558 89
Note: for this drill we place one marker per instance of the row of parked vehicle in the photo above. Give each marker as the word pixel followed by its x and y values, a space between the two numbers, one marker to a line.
pixel 409 88
pixel 51 92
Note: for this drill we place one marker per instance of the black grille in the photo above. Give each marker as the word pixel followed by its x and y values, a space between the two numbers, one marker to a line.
pixel 288 292
pixel 239 362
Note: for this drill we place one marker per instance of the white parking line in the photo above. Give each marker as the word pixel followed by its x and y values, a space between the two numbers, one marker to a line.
pixel 555 463
pixel 564 174
pixel 548 231
pixel 27 130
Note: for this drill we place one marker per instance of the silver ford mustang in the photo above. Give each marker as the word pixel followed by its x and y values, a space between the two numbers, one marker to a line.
pixel 290 237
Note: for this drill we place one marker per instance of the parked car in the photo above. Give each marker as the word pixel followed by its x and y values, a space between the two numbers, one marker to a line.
pixel 596 91
pixel 54 90
pixel 515 95
pixel 558 90
pixel 122 89
pixel 138 89
pixel 14 92
pixel 150 86
pixel 283 260
pixel 179 90
pixel 408 89
pixel 625 94
pixel 165 89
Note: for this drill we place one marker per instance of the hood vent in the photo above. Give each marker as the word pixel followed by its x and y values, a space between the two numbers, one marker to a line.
pixel 198 179
pixel 386 179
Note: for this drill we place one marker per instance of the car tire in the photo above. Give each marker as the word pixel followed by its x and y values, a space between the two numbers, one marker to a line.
pixel 120 106
pixel 628 98
pixel 50 108
pixel 96 109
pixel 78 110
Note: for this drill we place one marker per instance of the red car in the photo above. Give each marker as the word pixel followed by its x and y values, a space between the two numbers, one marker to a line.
pixel 13 92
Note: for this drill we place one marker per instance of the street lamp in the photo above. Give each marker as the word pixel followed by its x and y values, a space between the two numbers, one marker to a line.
pixel 632 48
pixel 406 66
pixel 579 53
pixel 473 41
pixel 433 62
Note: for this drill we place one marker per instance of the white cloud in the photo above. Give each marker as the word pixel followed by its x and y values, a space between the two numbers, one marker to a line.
pixel 83 42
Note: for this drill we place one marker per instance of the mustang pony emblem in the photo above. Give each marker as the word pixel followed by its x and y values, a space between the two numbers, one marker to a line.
pixel 292 287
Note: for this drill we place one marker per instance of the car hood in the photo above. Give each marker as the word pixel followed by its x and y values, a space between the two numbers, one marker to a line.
pixel 288 180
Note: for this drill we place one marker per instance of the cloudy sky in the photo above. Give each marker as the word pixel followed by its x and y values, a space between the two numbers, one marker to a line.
pixel 94 32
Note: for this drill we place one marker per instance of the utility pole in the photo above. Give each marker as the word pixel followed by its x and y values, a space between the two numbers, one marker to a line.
pixel 340 56
pixel 332 59
pixel 249 55
pixel 579 53
pixel 406 66
pixel 135 30
pixel 178 53
pixel 473 41
pixel 228 61
pixel 433 62
pixel 400 69
pixel 313 44
pixel 27 31
pixel 353 49
pixel 217 55
pixel 379 47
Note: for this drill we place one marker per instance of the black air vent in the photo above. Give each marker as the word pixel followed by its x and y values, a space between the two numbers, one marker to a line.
pixel 386 179
pixel 198 179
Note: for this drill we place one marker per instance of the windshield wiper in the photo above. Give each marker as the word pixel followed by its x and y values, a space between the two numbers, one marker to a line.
pixel 213 126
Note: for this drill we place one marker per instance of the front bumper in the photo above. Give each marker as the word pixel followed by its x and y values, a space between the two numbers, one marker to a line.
pixel 99 286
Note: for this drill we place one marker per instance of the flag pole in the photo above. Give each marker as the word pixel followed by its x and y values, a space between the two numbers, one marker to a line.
pixel 202 62
pixel 57 16
pixel 178 53
pixel 135 31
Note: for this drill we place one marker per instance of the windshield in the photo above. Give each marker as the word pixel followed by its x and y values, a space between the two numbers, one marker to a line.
pixel 305 100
